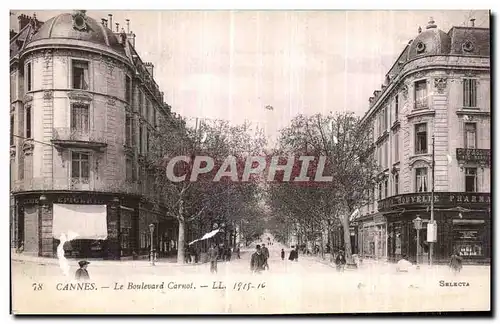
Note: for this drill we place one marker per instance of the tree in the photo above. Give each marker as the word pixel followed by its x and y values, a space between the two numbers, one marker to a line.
pixel 188 201
pixel 347 149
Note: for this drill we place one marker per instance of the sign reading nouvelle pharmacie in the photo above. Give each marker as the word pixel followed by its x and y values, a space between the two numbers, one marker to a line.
pixel 441 199
pixel 481 156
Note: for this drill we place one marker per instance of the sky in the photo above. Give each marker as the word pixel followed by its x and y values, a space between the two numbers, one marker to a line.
pixel 232 64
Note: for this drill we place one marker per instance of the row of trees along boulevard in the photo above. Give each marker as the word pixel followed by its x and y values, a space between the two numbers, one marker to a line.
pixel 309 207
pixel 197 203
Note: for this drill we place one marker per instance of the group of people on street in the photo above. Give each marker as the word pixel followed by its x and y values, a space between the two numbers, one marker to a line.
pixel 259 259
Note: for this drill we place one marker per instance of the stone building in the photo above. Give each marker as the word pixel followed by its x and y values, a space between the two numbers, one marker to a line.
pixel 437 90
pixel 83 106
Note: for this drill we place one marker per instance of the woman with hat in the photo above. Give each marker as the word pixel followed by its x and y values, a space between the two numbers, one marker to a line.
pixel 82 273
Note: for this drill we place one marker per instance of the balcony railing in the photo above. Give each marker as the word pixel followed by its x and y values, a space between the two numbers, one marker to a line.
pixel 67 136
pixel 468 155
pixel 78 184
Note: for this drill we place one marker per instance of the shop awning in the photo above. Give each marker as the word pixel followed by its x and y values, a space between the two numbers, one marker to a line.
pixel 80 221
pixel 206 236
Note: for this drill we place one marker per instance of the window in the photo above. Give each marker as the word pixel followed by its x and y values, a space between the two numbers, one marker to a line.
pixel 80 167
pixel 128 130
pixel 27 133
pixel 386 119
pixel 147 140
pixel 140 103
pixel 380 191
pixel 396 184
pixel 421 180
pixel 386 154
pixel 421 138
pixel 29 76
pixel 470 135
pixel 470 179
pixel 11 130
pixel 155 116
pixel 470 92
pixel 79 118
pixel 396 108
pixel 128 89
pixel 129 169
pixel 396 147
pixel 141 149
pixel 80 70
pixel 386 188
pixel 421 94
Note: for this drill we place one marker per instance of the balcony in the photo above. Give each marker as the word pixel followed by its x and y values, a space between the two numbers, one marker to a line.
pixel 475 156
pixel 77 184
pixel 66 137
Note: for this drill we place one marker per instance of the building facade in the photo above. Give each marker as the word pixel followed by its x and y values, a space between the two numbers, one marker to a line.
pixel 83 106
pixel 433 106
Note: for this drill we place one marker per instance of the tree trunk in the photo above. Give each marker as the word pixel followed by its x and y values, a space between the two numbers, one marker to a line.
pixel 347 239
pixel 182 228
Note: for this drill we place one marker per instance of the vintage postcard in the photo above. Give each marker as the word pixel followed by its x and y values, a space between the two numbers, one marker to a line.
pixel 250 162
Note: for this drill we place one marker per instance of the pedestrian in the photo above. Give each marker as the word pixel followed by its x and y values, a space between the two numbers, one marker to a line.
pixel 82 273
pixel 340 261
pixel 296 254
pixel 257 261
pixel 291 257
pixel 282 254
pixel 238 252
pixel 455 263
pixel 265 252
pixel 212 255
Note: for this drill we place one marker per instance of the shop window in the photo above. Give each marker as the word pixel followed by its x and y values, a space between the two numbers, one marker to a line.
pixel 421 94
pixel 470 135
pixel 470 179
pixel 470 93
pixel 421 180
pixel 421 138
pixel 28 126
pixel 80 74
pixel 80 120
pixel 126 231
pixel 80 167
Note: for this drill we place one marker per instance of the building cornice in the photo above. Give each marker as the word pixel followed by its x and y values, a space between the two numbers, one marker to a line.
pixel 432 62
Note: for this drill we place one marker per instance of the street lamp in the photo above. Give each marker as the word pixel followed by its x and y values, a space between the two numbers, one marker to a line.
pixel 151 230
pixel 417 223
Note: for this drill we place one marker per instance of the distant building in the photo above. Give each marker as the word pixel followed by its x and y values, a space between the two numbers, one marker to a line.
pixel 438 87
pixel 83 106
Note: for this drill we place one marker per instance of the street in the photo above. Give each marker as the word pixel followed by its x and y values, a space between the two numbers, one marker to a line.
pixel 289 287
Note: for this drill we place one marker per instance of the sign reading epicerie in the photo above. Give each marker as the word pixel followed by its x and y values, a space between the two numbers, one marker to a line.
pixel 311 168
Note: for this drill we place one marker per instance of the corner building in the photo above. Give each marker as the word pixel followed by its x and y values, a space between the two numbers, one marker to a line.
pixel 83 105
pixel 438 87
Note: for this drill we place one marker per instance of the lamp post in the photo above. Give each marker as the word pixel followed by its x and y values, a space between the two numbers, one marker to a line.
pixel 432 227
pixel 151 230
pixel 417 223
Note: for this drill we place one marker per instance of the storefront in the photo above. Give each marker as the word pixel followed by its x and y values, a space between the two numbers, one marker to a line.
pixel 463 225
pixel 372 237
pixel 105 226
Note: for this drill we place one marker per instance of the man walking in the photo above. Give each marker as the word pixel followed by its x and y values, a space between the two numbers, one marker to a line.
pixel 257 261
pixel 265 252
pixel 212 255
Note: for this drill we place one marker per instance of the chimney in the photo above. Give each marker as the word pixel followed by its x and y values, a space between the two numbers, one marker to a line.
pixel 149 67
pixel 371 99
pixel 376 93
pixel 432 23
pixel 128 25
pixel 117 26
pixel 419 29
pixel 23 21
pixel 104 22
pixel 383 87
pixel 110 16
pixel 472 22
pixel 131 38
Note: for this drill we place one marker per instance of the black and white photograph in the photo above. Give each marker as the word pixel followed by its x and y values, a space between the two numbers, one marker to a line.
pixel 258 162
